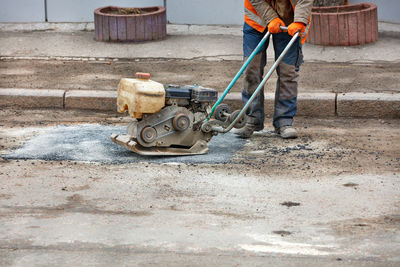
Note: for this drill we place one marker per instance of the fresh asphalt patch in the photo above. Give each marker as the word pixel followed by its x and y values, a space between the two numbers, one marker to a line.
pixel 92 143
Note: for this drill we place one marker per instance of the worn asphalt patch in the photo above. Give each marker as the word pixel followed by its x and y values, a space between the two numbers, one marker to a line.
pixel 91 143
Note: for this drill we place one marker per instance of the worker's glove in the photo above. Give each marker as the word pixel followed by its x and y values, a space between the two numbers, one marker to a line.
pixel 275 24
pixel 296 27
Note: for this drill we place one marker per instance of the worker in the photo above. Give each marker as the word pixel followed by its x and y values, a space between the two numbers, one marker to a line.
pixel 268 15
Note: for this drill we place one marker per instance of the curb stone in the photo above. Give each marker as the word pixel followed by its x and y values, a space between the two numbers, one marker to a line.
pixel 234 100
pixel 317 104
pixel 31 98
pixel 366 105
pixel 309 104
pixel 95 100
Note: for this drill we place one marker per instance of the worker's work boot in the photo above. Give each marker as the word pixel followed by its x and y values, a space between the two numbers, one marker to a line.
pixel 245 132
pixel 252 125
pixel 287 132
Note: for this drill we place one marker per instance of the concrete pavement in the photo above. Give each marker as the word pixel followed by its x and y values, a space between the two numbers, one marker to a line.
pixel 328 198
pixel 80 45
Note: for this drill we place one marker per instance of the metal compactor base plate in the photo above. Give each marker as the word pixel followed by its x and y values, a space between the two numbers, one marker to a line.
pixel 200 147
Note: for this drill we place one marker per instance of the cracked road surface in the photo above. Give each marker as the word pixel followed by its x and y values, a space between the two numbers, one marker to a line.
pixel 330 197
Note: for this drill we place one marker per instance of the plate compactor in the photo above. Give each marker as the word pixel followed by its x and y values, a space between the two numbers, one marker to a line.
pixel 171 120
pixel 168 119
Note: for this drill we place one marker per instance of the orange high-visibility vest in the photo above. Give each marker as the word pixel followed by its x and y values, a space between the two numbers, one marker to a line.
pixel 254 20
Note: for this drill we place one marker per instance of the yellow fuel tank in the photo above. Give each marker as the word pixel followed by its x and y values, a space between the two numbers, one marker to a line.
pixel 140 96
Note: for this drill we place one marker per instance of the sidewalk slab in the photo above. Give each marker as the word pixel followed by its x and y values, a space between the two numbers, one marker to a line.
pixel 93 100
pixel 31 98
pixel 80 45
pixel 372 105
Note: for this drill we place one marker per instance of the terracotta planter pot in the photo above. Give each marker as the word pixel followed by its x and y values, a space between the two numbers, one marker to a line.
pixel 111 25
pixel 344 25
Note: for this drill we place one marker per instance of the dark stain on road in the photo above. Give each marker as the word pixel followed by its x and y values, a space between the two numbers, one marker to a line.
pixel 351 185
pixel 236 216
pixel 361 225
pixel 282 233
pixel 75 188
pixel 290 204
pixel 75 204
pixel 394 219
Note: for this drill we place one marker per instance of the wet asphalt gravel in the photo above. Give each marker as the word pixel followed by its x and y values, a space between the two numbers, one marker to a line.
pixel 91 143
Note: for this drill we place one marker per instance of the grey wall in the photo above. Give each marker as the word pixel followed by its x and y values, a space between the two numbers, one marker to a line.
pixel 82 10
pixel 205 11
pixel 179 11
pixel 21 10
pixel 388 10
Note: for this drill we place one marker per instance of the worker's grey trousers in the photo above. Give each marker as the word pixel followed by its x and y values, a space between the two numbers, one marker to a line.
pixel 288 74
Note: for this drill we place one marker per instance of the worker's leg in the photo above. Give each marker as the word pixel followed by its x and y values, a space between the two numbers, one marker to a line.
pixel 288 75
pixel 253 76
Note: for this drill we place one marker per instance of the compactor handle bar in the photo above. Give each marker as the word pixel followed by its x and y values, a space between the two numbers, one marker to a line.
pixel 260 86
pixel 242 69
